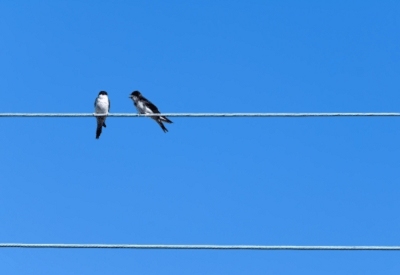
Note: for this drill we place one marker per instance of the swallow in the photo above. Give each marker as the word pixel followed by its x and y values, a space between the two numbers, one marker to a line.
pixel 144 106
pixel 101 106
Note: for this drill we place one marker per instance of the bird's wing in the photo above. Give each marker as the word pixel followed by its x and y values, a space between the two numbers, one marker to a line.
pixel 95 102
pixel 109 104
pixel 150 105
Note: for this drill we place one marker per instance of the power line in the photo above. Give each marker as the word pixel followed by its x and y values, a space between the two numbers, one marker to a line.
pixel 204 115
pixel 201 247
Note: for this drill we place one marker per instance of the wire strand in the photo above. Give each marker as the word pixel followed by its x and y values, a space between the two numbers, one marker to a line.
pixel 202 247
pixel 203 115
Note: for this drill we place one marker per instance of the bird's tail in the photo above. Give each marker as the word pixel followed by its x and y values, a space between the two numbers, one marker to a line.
pixel 164 119
pixel 162 126
pixel 100 124
pixel 98 131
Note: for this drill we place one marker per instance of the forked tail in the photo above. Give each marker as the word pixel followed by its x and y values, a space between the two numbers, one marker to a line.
pixel 162 126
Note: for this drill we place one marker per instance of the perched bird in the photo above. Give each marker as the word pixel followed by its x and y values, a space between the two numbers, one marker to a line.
pixel 101 106
pixel 146 107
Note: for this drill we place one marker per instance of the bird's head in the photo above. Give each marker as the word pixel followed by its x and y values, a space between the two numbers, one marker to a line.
pixel 135 95
pixel 103 93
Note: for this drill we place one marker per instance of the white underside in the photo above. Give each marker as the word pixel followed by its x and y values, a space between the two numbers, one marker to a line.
pixel 102 105
pixel 142 108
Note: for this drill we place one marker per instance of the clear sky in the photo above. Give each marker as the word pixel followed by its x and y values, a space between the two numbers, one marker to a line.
pixel 255 181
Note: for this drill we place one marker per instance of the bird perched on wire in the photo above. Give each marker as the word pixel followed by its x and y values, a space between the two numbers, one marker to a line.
pixel 101 106
pixel 144 106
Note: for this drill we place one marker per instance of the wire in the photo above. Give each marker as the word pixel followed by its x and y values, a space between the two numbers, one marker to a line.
pixel 203 115
pixel 203 247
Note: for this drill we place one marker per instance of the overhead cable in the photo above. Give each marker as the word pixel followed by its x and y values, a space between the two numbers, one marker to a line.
pixel 200 247
pixel 203 115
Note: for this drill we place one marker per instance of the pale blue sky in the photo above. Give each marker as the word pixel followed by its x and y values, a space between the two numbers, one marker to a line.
pixel 265 181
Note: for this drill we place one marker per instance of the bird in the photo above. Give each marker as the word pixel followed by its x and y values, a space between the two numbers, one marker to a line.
pixel 101 106
pixel 144 106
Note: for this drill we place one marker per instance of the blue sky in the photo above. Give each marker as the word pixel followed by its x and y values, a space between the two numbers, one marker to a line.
pixel 255 181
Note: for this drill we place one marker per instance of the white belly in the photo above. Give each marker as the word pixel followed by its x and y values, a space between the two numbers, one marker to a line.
pixel 102 106
pixel 142 109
